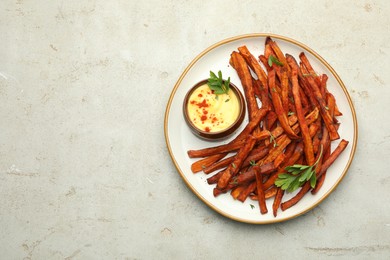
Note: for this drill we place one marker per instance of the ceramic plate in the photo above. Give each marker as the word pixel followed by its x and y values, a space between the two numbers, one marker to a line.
pixel 180 139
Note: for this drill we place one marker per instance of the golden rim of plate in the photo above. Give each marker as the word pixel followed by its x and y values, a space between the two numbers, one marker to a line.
pixel 303 46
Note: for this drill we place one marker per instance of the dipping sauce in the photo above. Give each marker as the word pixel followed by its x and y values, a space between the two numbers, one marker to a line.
pixel 210 112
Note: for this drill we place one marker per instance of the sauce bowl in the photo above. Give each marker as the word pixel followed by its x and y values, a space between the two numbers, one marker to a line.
pixel 213 117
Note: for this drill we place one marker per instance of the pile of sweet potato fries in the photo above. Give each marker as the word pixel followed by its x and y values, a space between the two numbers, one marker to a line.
pixel 295 124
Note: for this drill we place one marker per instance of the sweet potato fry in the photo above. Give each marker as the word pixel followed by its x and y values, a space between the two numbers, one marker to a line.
pixel 278 72
pixel 333 156
pixel 303 69
pixel 256 87
pixel 279 160
pixel 206 162
pixel 288 152
pixel 279 54
pixel 313 129
pixel 312 116
pixel 248 190
pixel 260 192
pixel 233 146
pixel 257 155
pixel 309 68
pixel 262 93
pixel 218 165
pixel 321 179
pixel 214 179
pixel 294 200
pixel 234 167
pixel 319 184
pixel 271 192
pixel 337 112
pixel 282 116
pixel 217 192
pixel 316 142
pixel 236 191
pixel 261 135
pixel 325 142
pixel 284 89
pixel 333 134
pixel 308 145
pixel 241 67
pixel 254 65
pixel 249 175
pixel 268 51
pixel 331 103
pixel 270 121
pixel 323 88
pixel 264 60
pixel 277 201
pixel 231 185
pixel 304 100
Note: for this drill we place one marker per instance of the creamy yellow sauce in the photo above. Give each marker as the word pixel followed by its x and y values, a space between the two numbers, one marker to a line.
pixel 210 112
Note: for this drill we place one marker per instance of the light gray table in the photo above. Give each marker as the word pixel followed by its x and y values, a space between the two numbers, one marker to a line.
pixel 84 169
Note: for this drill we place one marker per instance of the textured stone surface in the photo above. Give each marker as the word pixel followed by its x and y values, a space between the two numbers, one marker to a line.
pixel 84 169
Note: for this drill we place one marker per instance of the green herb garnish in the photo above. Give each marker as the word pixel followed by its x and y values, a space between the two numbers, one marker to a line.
pixel 234 181
pixel 297 175
pixel 252 206
pixel 252 163
pixel 290 113
pixel 272 59
pixel 272 139
pixel 217 84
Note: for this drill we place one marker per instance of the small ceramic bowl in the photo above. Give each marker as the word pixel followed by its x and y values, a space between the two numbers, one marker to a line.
pixel 219 134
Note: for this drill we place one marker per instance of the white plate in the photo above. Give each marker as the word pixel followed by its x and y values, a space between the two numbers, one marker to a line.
pixel 179 138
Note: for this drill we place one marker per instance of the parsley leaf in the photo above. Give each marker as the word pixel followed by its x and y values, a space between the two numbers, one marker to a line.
pixel 217 84
pixel 234 181
pixel 272 139
pixel 272 59
pixel 296 175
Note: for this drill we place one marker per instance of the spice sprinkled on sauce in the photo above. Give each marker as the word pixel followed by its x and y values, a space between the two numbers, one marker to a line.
pixel 210 112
